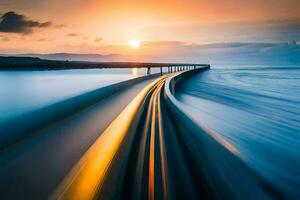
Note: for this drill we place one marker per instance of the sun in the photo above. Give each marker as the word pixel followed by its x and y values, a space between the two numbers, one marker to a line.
pixel 135 44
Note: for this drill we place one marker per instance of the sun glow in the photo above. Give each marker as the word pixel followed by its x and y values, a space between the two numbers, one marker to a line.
pixel 135 44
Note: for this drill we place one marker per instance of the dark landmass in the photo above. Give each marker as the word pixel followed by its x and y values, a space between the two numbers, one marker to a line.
pixel 75 57
pixel 30 63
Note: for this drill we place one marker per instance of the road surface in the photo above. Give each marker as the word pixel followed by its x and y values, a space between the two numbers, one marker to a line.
pixel 157 153
pixel 33 168
pixel 137 144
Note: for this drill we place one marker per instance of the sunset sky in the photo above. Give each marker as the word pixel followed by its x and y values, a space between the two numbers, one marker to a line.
pixel 193 28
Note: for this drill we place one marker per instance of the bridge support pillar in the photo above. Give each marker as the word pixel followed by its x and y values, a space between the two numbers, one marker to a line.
pixel 161 71
pixel 148 70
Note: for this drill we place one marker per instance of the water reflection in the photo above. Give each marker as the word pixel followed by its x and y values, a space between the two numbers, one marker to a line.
pixel 134 71
pixel 24 91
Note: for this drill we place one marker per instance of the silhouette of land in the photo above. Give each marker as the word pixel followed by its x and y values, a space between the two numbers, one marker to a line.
pixel 32 63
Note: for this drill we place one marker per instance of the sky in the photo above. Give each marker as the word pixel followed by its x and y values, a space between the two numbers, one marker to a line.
pixel 177 30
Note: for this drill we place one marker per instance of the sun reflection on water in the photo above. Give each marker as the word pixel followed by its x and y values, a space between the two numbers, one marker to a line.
pixel 134 72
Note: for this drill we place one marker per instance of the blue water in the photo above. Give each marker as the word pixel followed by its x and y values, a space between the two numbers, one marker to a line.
pixel 256 109
pixel 26 91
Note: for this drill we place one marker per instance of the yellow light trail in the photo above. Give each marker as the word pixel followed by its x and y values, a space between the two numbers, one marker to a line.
pixel 86 178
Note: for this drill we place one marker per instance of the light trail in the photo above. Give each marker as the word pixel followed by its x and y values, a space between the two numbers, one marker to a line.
pixel 154 150
pixel 87 177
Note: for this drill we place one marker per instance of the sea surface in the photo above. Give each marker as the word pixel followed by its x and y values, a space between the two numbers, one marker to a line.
pixel 256 109
pixel 26 91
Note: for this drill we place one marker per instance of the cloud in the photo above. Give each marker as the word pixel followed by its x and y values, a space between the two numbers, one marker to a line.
pixel 161 43
pixel 215 53
pixel 44 39
pixel 60 26
pixel 73 35
pixel 97 40
pixel 229 31
pixel 77 35
pixel 226 53
pixel 12 22
pixel 4 39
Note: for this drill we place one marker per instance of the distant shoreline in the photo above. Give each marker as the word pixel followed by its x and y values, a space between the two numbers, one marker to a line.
pixel 16 63
pixel 30 63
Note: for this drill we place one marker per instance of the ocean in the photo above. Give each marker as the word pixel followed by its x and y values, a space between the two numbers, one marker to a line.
pixel 257 110
pixel 26 91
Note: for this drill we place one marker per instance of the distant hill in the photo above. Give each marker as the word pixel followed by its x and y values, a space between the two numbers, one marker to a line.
pixel 75 57
pixel 14 60
pixel 30 63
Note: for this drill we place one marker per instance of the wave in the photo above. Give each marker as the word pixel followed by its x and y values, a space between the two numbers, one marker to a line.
pixel 258 112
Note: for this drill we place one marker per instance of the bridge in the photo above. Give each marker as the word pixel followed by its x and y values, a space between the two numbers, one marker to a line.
pixel 28 63
pixel 171 67
pixel 135 142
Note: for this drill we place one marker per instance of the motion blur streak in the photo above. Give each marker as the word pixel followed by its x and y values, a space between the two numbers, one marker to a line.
pixel 156 138
pixel 87 177
pixel 255 110
pixel 163 152
pixel 135 161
